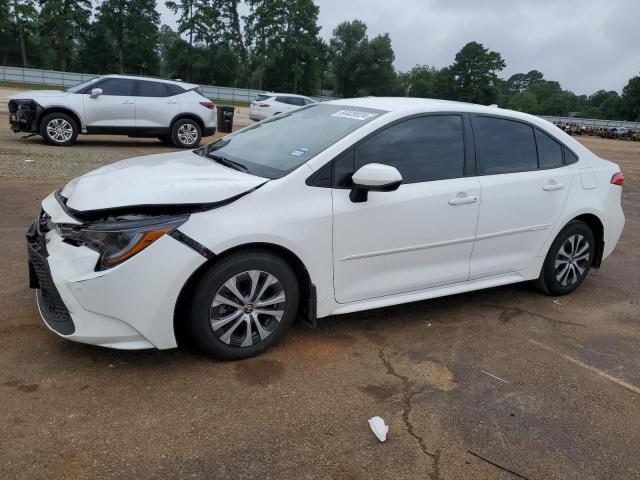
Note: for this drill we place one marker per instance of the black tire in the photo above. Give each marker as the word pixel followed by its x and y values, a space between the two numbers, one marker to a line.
pixel 555 280
pixel 59 129
pixel 166 139
pixel 179 136
pixel 203 311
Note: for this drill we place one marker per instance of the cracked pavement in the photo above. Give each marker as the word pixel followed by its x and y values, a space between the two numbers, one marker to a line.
pixel 495 384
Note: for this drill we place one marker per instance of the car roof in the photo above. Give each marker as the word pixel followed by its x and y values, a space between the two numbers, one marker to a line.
pixel 186 86
pixel 410 106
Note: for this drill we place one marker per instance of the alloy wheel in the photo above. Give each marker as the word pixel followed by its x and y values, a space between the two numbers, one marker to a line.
pixel 59 130
pixel 247 308
pixel 187 134
pixel 572 260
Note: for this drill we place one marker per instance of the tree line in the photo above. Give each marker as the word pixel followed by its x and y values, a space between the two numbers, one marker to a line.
pixel 275 46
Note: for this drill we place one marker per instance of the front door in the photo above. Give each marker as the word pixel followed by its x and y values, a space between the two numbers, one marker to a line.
pixel 114 110
pixel 418 236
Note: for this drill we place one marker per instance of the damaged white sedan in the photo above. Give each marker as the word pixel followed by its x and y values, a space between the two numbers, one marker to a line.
pixel 332 208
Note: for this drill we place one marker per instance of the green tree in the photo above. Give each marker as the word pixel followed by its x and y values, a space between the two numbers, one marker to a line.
pixel 524 102
pixel 419 81
pixel 62 22
pixel 124 38
pixel 197 19
pixel 362 66
pixel 631 100
pixel 285 48
pixel 475 70
pixel 6 32
pixel 24 15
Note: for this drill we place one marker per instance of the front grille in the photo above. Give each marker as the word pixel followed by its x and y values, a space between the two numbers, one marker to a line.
pixel 53 309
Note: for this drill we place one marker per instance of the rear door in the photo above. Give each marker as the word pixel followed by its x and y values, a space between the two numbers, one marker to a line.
pixel 525 185
pixel 114 110
pixel 418 236
pixel 157 104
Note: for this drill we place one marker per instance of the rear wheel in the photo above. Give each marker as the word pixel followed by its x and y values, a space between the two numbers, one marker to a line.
pixel 59 129
pixel 243 305
pixel 569 259
pixel 186 133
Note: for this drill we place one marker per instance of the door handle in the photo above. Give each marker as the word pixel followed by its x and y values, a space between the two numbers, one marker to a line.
pixel 127 103
pixel 463 200
pixel 172 102
pixel 552 186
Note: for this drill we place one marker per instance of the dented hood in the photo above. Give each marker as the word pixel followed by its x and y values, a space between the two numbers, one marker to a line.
pixel 179 178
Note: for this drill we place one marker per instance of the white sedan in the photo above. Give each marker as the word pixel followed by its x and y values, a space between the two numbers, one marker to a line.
pixel 335 207
pixel 269 104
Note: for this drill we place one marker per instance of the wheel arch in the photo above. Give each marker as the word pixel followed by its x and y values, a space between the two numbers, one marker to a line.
pixel 306 308
pixel 597 228
pixel 191 116
pixel 58 109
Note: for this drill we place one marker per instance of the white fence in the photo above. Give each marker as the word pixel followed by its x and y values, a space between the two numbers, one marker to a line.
pixel 68 79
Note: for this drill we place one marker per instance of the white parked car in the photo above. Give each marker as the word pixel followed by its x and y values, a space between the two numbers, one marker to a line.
pixel 171 110
pixel 333 208
pixel 269 104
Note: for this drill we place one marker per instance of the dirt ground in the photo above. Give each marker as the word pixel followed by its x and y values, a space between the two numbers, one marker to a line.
pixel 497 384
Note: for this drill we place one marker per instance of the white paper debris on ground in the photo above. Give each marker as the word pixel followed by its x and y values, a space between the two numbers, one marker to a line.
pixel 557 302
pixel 379 428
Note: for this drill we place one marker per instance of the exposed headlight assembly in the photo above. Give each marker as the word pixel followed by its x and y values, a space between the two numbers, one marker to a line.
pixel 119 240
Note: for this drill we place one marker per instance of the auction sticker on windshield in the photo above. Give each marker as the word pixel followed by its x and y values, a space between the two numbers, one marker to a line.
pixel 354 114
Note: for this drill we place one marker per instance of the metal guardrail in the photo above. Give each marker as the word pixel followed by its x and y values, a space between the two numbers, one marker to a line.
pixel 68 79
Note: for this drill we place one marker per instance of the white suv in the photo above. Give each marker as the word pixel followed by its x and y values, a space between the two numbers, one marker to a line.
pixel 332 208
pixel 170 110
pixel 267 105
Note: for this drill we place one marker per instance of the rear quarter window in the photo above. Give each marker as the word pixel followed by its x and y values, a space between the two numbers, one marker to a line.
pixel 549 151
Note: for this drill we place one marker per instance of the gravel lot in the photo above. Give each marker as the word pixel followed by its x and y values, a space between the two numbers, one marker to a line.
pixel 473 386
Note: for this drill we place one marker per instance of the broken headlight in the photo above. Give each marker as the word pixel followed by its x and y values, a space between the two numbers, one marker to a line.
pixel 117 241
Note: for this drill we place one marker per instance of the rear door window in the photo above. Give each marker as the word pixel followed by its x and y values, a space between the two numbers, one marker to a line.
pixel 152 89
pixel 116 86
pixel 549 151
pixel 506 146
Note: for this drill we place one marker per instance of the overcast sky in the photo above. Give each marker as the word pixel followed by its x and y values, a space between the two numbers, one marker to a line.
pixel 586 45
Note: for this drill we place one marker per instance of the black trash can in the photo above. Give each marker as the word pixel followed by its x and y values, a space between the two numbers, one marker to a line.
pixel 225 118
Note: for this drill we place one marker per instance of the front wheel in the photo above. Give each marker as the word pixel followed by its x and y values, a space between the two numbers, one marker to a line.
pixel 569 259
pixel 243 305
pixel 186 133
pixel 59 129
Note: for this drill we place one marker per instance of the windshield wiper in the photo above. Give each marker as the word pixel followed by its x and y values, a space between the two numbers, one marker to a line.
pixel 228 163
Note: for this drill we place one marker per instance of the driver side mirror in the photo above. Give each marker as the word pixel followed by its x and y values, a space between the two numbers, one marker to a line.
pixel 96 92
pixel 374 177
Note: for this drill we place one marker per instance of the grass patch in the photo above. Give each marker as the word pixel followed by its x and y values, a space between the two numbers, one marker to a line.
pixel 234 103
pixel 30 86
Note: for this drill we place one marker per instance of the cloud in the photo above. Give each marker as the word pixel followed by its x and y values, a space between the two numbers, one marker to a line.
pixel 586 45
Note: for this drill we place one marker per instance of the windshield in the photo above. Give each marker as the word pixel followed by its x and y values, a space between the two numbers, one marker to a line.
pixel 80 86
pixel 279 145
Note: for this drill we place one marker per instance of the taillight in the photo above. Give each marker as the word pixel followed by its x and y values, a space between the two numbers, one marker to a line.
pixel 263 105
pixel 208 105
pixel 617 179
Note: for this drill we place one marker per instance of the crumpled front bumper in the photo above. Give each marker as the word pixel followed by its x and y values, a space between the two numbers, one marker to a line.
pixel 23 115
pixel 130 306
